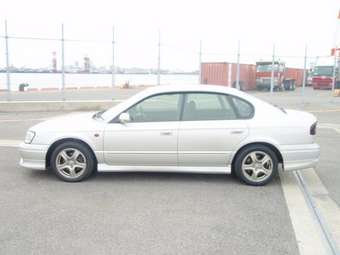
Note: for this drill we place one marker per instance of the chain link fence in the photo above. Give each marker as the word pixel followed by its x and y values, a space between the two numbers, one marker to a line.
pixel 72 64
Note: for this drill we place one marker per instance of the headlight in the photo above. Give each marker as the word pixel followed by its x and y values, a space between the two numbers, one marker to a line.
pixel 29 136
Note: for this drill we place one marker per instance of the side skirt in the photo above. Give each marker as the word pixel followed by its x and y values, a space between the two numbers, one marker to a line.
pixel 166 169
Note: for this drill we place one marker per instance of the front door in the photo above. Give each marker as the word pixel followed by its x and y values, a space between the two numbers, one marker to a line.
pixel 149 138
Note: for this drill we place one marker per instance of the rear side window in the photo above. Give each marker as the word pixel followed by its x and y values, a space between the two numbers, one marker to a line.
pixel 207 106
pixel 244 109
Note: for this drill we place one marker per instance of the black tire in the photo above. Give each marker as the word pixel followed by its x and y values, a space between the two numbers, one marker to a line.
pixel 245 153
pixel 293 85
pixel 90 162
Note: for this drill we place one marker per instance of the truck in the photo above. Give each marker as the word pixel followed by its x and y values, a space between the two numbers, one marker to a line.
pixel 284 78
pixel 322 77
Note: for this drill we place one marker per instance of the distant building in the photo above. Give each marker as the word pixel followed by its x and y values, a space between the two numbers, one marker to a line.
pixel 87 64
pixel 54 62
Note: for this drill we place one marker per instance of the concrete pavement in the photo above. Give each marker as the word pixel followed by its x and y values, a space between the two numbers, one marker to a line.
pixel 129 213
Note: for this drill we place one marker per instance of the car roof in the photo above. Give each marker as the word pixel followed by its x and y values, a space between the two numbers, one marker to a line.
pixel 188 88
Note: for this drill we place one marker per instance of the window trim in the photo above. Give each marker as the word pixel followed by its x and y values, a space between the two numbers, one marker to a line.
pixel 182 100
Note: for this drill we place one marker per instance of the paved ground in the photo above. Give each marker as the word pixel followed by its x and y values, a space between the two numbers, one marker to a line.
pixel 135 213
pixel 139 214
pixel 81 94
pixel 153 213
pixel 329 165
pixel 311 100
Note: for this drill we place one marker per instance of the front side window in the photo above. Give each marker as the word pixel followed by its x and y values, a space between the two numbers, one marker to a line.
pixel 158 108
pixel 207 106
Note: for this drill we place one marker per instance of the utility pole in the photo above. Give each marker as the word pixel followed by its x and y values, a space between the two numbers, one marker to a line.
pixel 159 59
pixel 272 74
pixel 334 68
pixel 304 73
pixel 335 52
pixel 113 70
pixel 62 63
pixel 200 64
pixel 238 66
pixel 8 78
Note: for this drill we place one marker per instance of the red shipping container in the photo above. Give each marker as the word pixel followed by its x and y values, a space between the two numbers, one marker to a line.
pixel 296 74
pixel 224 73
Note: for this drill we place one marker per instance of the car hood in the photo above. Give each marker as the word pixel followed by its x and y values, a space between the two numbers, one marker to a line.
pixel 70 122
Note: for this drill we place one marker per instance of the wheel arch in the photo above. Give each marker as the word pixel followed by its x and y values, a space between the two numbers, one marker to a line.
pixel 267 144
pixel 56 143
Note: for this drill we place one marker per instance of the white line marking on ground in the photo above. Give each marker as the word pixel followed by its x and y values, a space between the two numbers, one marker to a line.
pixel 327 207
pixel 64 102
pixel 307 232
pixel 9 143
pixel 20 120
pixel 38 119
pixel 335 127
pixel 325 110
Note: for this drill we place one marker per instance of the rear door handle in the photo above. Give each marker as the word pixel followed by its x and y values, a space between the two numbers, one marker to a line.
pixel 166 133
pixel 235 132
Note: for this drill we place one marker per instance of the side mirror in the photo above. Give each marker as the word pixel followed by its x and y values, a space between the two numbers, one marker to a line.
pixel 124 117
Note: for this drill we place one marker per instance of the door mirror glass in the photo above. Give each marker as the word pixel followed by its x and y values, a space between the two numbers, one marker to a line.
pixel 124 117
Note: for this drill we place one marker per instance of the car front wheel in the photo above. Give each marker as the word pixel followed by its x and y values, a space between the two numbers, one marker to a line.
pixel 256 165
pixel 72 162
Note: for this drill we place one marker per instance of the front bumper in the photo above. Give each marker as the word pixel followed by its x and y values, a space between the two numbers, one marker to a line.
pixel 322 85
pixel 297 157
pixel 33 156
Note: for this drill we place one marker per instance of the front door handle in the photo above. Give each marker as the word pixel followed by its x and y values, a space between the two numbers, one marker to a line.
pixel 166 133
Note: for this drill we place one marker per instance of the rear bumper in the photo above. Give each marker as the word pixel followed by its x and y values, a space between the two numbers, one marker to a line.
pixel 33 156
pixel 297 157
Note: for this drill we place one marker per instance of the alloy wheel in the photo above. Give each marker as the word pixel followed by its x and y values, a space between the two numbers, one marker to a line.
pixel 71 163
pixel 257 166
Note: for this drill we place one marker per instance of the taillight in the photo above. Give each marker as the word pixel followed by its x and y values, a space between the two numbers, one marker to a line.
pixel 313 129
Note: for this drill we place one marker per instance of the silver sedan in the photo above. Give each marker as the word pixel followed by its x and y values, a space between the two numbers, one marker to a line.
pixel 199 128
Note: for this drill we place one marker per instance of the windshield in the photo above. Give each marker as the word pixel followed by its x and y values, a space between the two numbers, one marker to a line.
pixel 323 71
pixel 266 68
pixel 111 112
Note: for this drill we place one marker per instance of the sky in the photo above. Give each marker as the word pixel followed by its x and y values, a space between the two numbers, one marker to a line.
pixel 220 25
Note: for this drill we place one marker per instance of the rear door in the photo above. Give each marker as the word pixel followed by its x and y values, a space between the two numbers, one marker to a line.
pixel 210 130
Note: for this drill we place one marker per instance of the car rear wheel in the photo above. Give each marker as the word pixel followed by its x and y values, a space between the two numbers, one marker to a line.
pixel 72 162
pixel 256 165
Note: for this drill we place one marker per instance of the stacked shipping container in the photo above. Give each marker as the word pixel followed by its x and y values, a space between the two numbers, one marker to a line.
pixel 224 73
